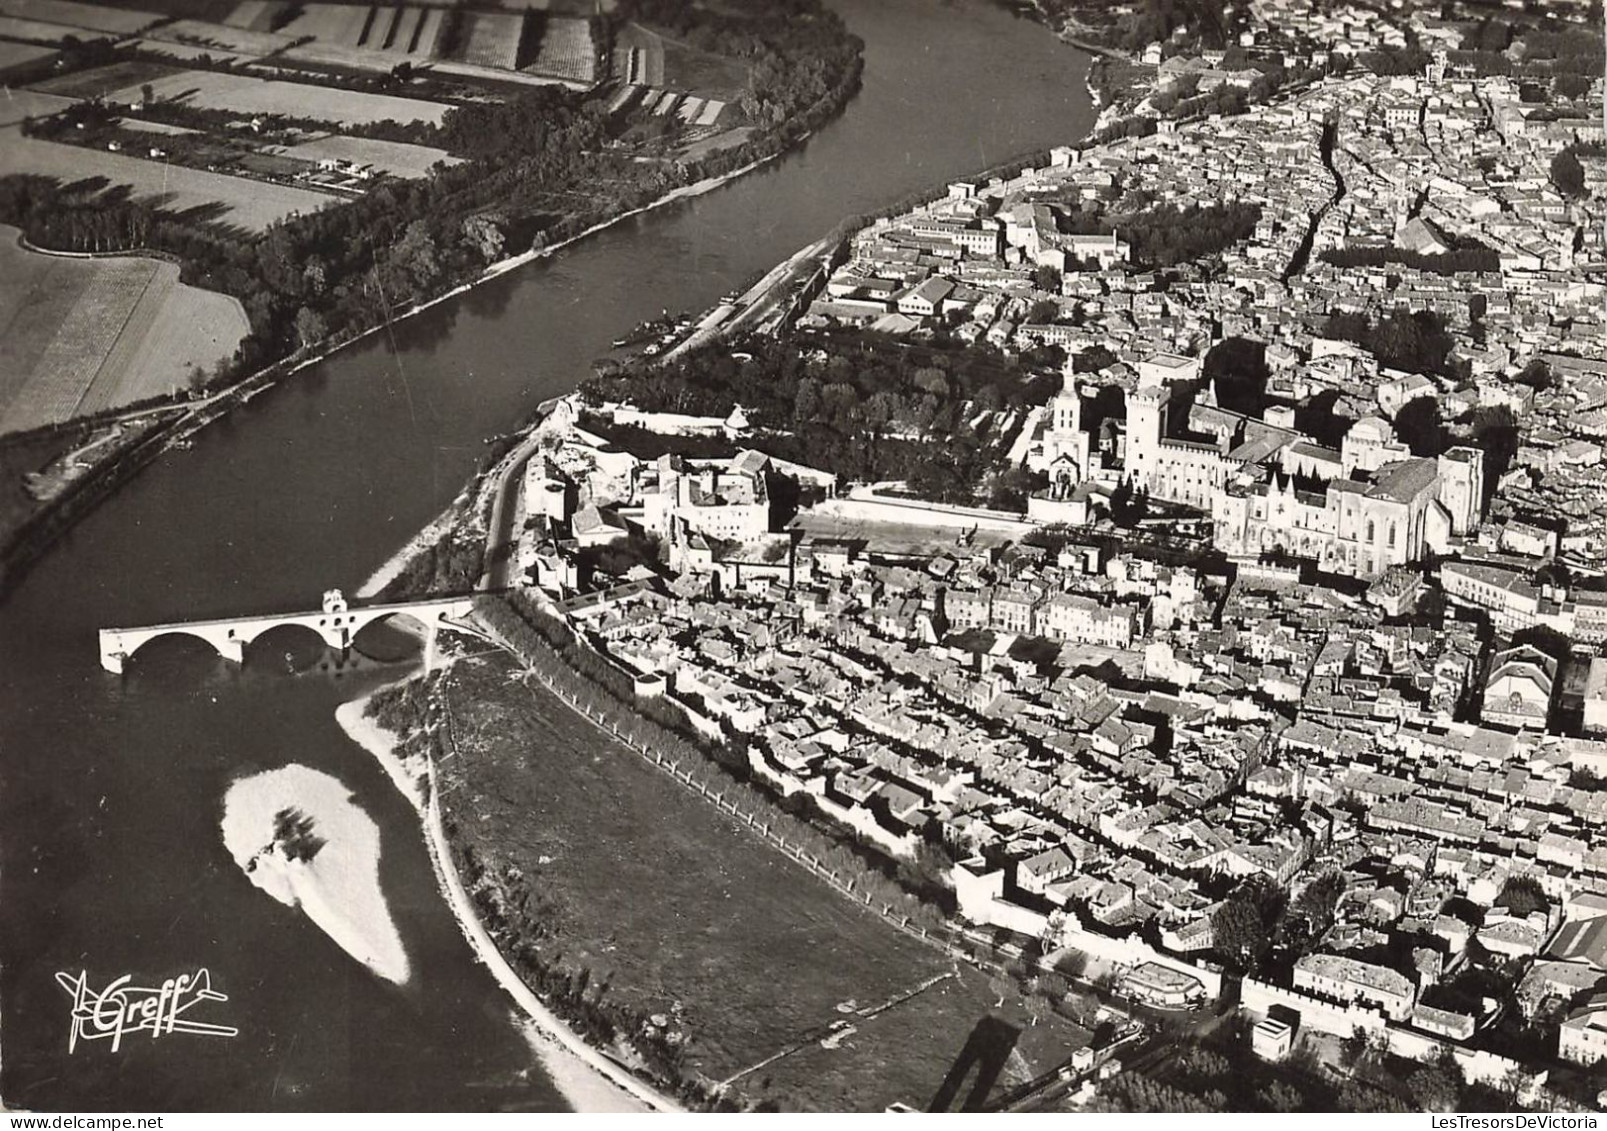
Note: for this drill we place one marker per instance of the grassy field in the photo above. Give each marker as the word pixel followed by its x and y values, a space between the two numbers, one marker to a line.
pixel 649 50
pixel 394 157
pixel 244 95
pixel 93 17
pixel 78 336
pixel 682 910
pixel 97 82
pixel 725 139
pixel 15 105
pixel 708 76
pixel 253 205
pixel 36 31
pixel 15 54
pixel 661 62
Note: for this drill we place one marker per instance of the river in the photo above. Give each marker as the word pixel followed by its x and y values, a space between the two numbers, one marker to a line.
pixel 111 862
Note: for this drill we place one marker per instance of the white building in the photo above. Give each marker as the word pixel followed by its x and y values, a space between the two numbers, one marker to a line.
pixel 1583 1037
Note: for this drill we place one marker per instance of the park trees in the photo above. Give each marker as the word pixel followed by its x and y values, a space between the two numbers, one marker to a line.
pixel 1568 175
pixel 1522 895
pixel 1244 924
pixel 1311 913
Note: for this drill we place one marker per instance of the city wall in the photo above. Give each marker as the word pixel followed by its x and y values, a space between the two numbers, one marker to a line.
pixel 918 512
pixel 1121 953
pixel 1315 1013
pixel 1343 1020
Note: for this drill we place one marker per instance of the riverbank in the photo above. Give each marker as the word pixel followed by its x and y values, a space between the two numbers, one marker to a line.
pixel 755 980
pixel 590 1081
pixel 29 542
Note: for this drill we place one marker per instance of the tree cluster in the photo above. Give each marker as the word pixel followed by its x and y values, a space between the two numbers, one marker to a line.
pixel 1414 342
pixel 864 405
pixel 1481 259
pixel 1128 505
pixel 1244 924
pixel 1165 235
pixel 1221 1074
pixel 1568 175
pixel 1522 895
pixel 295 835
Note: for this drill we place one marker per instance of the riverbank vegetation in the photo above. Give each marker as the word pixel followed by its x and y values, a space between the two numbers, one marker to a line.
pixel 46 488
pixel 670 933
pixel 1131 27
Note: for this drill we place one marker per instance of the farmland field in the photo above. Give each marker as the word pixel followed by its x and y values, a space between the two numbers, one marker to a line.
pixel 97 82
pixel 34 31
pixel 78 335
pixel 216 37
pixel 394 157
pixel 489 39
pixel 141 126
pixel 385 30
pixel 557 7
pixel 405 30
pixel 680 909
pixel 15 105
pixel 241 94
pixel 253 205
pixel 333 23
pixel 196 327
pixel 189 9
pixel 119 21
pixel 429 32
pixel 566 49
pixel 254 15
pixel 15 54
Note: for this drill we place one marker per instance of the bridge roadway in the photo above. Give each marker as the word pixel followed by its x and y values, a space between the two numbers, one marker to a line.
pixel 337 623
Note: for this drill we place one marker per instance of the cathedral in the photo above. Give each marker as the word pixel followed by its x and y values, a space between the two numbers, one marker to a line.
pixel 1268 487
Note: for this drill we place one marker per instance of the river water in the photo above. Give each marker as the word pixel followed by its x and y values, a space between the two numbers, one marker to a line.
pixel 111 862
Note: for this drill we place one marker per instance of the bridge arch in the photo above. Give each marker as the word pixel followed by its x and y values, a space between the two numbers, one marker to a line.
pixel 132 642
pixel 336 624
pixel 299 628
